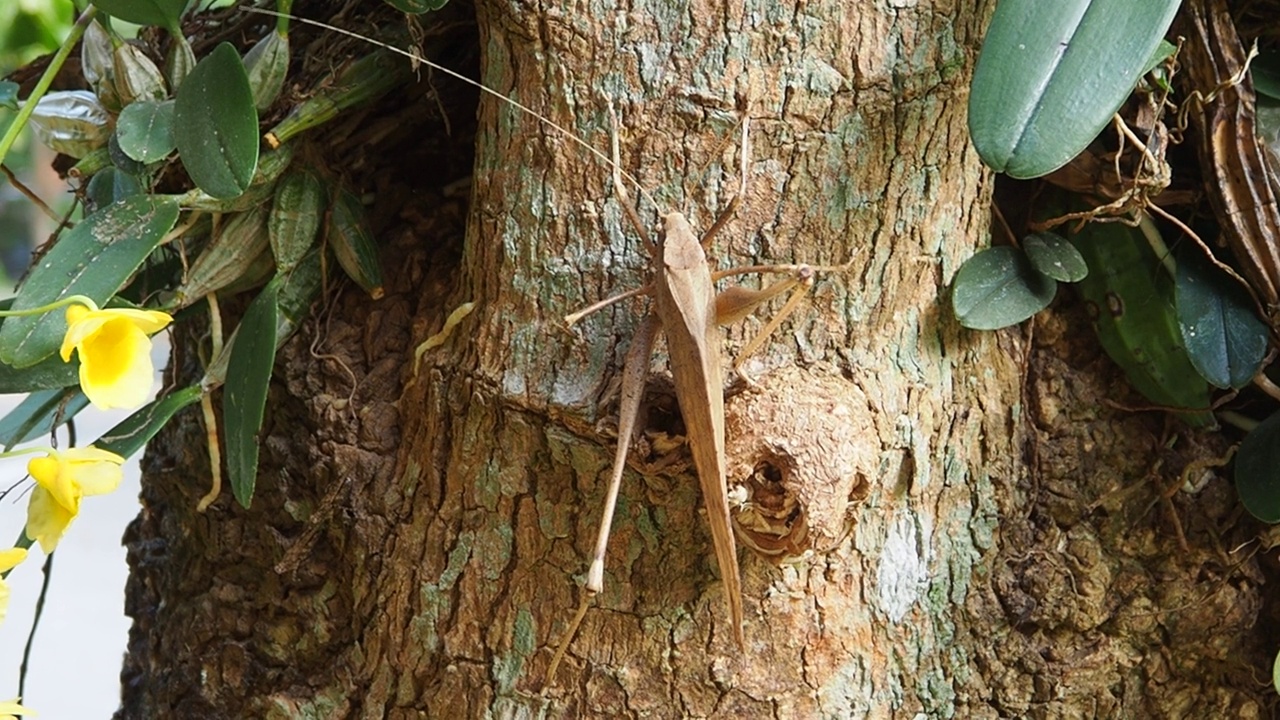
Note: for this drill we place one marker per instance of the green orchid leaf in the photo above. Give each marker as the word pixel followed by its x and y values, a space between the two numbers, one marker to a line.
pixel 1051 75
pixel 1265 71
pixel 215 124
pixel 162 13
pixel 298 289
pixel 94 259
pixel 253 355
pixel 110 185
pixel 1055 256
pixel 1225 339
pixel 9 95
pixel 48 374
pixel 1258 471
pixel 39 414
pixel 1131 300
pixel 144 130
pixel 417 7
pixel 131 434
pixel 1164 50
pixel 997 288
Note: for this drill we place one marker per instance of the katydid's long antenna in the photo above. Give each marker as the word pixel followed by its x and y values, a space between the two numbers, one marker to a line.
pixel 459 76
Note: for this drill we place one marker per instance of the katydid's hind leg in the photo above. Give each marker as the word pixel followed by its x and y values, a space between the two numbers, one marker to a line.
pixel 735 303
pixel 634 371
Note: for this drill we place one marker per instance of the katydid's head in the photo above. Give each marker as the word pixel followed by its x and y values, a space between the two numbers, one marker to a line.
pixel 680 247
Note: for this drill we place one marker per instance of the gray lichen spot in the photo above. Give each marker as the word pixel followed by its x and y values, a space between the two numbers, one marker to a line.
pixel 903 570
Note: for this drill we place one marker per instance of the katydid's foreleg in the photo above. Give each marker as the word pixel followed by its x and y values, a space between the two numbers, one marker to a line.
pixel 729 209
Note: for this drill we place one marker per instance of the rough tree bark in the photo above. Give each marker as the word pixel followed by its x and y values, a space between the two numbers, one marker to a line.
pixel 943 539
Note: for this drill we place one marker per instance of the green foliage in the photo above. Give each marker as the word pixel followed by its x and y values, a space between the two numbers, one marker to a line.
pixel 1224 337
pixel 352 243
pixel 9 95
pixel 145 130
pixel 997 288
pixel 1258 471
pixel 130 434
pixel 1265 71
pixel 216 124
pixel 111 185
pixel 296 213
pixel 1051 74
pixel 163 13
pixel 253 354
pixel 1055 256
pixel 1131 300
pixel 39 414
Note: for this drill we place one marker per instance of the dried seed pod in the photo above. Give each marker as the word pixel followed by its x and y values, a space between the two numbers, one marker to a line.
pixel 95 53
pixel 97 64
pixel 364 80
pixel 72 122
pixel 178 62
pixel 136 76
pixel 227 257
pixel 267 64
pixel 295 217
pixel 352 243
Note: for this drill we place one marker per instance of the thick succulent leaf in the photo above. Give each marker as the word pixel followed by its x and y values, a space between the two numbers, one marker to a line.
pixel 1051 75
pixel 253 355
pixel 997 288
pixel 1055 256
pixel 1224 337
pixel 1131 300
pixel 215 124
pixel 1258 471
pixel 144 130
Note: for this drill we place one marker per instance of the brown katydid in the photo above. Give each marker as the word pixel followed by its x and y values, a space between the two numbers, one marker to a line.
pixel 687 309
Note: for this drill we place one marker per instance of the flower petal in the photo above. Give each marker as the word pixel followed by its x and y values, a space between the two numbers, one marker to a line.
pixel 50 473
pixel 4 610
pixel 95 477
pixel 10 558
pixel 81 323
pixel 115 365
pixel 148 321
pixel 47 521
pixel 9 708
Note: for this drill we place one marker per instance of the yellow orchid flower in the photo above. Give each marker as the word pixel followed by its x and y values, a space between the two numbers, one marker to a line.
pixel 8 560
pixel 10 708
pixel 115 352
pixel 62 478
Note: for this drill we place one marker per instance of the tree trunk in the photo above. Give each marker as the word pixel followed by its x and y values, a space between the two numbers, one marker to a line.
pixel 927 535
